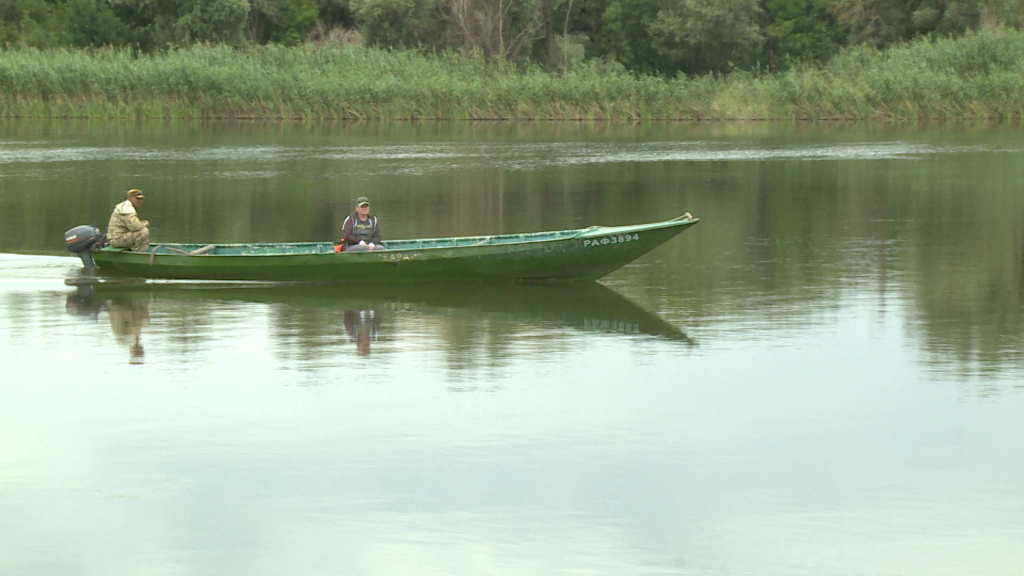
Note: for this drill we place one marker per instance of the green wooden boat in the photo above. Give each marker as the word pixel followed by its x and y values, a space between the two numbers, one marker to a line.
pixel 584 254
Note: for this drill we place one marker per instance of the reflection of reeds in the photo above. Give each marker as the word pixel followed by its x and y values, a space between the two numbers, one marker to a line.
pixel 971 77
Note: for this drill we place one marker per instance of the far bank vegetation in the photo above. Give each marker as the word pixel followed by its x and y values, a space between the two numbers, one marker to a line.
pixel 630 60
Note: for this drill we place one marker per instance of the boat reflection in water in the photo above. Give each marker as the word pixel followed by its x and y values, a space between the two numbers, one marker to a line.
pixel 362 327
pixel 311 319
pixel 128 314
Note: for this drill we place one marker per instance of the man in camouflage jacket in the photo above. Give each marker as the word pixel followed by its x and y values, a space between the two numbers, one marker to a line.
pixel 125 229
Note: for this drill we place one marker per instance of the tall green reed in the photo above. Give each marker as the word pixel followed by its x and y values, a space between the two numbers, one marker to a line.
pixel 979 75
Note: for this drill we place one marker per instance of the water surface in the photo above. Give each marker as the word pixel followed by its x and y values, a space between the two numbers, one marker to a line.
pixel 823 377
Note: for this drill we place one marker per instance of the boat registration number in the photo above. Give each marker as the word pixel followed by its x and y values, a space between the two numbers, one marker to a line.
pixel 619 239
pixel 399 256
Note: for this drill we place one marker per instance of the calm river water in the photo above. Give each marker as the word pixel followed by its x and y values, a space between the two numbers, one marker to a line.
pixel 825 376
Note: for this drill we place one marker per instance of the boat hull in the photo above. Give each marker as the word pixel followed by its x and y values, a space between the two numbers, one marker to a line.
pixel 586 254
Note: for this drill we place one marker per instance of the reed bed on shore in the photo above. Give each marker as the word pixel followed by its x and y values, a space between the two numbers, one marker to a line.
pixel 978 76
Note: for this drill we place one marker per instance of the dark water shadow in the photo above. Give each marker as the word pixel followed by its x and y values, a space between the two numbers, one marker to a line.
pixel 586 306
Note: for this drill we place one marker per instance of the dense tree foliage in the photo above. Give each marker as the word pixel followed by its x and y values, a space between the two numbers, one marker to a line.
pixel 801 30
pixel 711 35
pixel 665 37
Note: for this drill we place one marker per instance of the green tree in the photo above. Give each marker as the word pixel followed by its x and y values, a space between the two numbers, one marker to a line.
pixel 995 13
pixel 94 23
pixel 875 22
pixel 623 34
pixel 29 23
pixel 214 21
pixel 335 17
pixel 286 22
pixel 564 40
pixel 884 22
pixel 498 29
pixel 158 24
pixel 701 36
pixel 400 23
pixel 955 17
pixel 801 30
pixel 335 12
pixel 137 16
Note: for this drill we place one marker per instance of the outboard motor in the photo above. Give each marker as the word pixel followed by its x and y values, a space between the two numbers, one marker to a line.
pixel 81 240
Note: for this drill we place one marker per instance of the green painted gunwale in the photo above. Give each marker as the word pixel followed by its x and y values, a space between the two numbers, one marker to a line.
pixel 584 254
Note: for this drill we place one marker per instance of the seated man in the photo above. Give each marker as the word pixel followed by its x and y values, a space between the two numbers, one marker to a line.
pixel 360 231
pixel 125 229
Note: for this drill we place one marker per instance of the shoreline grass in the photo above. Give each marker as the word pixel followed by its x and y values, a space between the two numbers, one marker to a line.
pixel 978 76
